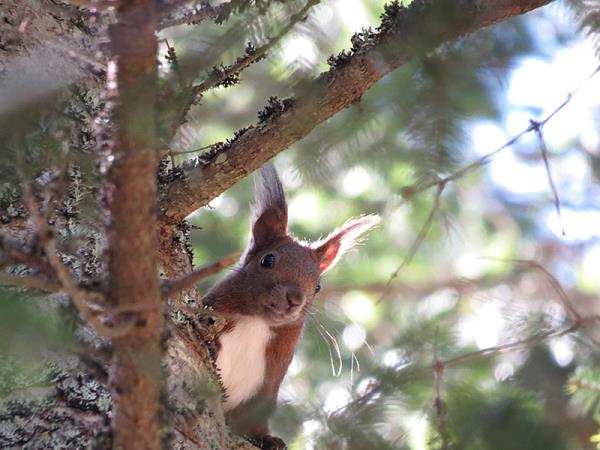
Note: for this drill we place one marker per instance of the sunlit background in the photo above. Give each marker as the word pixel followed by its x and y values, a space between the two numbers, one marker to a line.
pixel 442 277
pixel 462 291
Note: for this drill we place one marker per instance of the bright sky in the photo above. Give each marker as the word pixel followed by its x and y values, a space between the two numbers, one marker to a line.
pixel 536 87
pixel 542 85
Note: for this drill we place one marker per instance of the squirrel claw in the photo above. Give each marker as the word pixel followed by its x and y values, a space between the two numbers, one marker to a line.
pixel 273 443
pixel 268 442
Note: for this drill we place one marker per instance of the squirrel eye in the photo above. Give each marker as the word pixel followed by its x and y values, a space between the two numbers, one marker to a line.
pixel 318 288
pixel 268 261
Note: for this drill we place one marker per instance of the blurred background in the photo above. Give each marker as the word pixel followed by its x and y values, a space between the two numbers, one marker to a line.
pixel 362 376
pixel 442 277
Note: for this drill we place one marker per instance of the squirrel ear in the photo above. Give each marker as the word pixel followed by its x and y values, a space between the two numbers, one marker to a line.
pixel 269 212
pixel 330 250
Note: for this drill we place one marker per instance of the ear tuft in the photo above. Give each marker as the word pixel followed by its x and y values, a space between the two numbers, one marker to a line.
pixel 269 211
pixel 330 250
pixel 268 192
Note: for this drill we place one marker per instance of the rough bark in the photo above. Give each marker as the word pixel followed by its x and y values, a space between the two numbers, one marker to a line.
pixel 403 35
pixel 75 411
pixel 45 47
pixel 72 412
pixel 193 392
pixel 135 373
pixel 76 407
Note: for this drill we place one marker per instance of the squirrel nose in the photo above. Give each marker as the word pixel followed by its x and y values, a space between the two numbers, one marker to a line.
pixel 294 297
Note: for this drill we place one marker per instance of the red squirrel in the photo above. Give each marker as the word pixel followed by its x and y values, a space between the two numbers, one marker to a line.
pixel 267 297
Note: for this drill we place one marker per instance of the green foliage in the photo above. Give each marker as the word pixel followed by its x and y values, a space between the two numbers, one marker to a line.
pixel 584 388
pixel 499 419
pixel 412 127
pixel 363 374
pixel 29 328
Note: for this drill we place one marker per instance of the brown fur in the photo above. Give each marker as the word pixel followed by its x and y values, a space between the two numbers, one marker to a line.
pixel 280 294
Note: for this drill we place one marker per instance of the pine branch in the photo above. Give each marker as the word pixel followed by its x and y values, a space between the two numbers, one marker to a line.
pixel 588 14
pixel 417 242
pixel 440 367
pixel 199 15
pixel 29 282
pixel 173 287
pixel 175 111
pixel 582 322
pixel 534 126
pixel 403 34
pixel 410 191
pixel 252 55
pixel 78 296
pixel 15 253
pixel 544 152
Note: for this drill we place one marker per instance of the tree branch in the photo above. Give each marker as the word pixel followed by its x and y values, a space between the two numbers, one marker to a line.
pixel 173 287
pixel 576 326
pixel 253 55
pixel 534 126
pixel 403 34
pixel 29 282
pixel 67 283
pixel 135 370
pixel 198 15
pixel 412 251
pixel 14 253
pixel 174 112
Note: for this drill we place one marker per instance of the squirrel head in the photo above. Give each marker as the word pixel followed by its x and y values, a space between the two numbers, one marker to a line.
pixel 278 276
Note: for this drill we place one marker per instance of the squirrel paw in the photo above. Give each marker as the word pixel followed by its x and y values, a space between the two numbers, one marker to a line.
pixel 268 442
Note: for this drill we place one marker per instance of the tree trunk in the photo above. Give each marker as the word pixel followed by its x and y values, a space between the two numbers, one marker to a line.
pixel 135 372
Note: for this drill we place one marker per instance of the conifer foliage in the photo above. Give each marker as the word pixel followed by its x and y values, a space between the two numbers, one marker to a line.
pixel 127 130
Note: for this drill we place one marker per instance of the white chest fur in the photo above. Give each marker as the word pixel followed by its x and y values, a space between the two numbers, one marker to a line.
pixel 242 360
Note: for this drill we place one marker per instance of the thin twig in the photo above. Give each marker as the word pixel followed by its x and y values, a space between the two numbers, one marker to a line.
pixel 544 151
pixel 29 282
pixel 438 402
pixel 33 282
pixel 172 287
pixel 78 55
pixel 259 53
pixel 183 152
pixel 418 240
pixel 564 298
pixel 198 16
pixel 78 296
pixel 584 321
pixel 14 254
pixel 410 191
